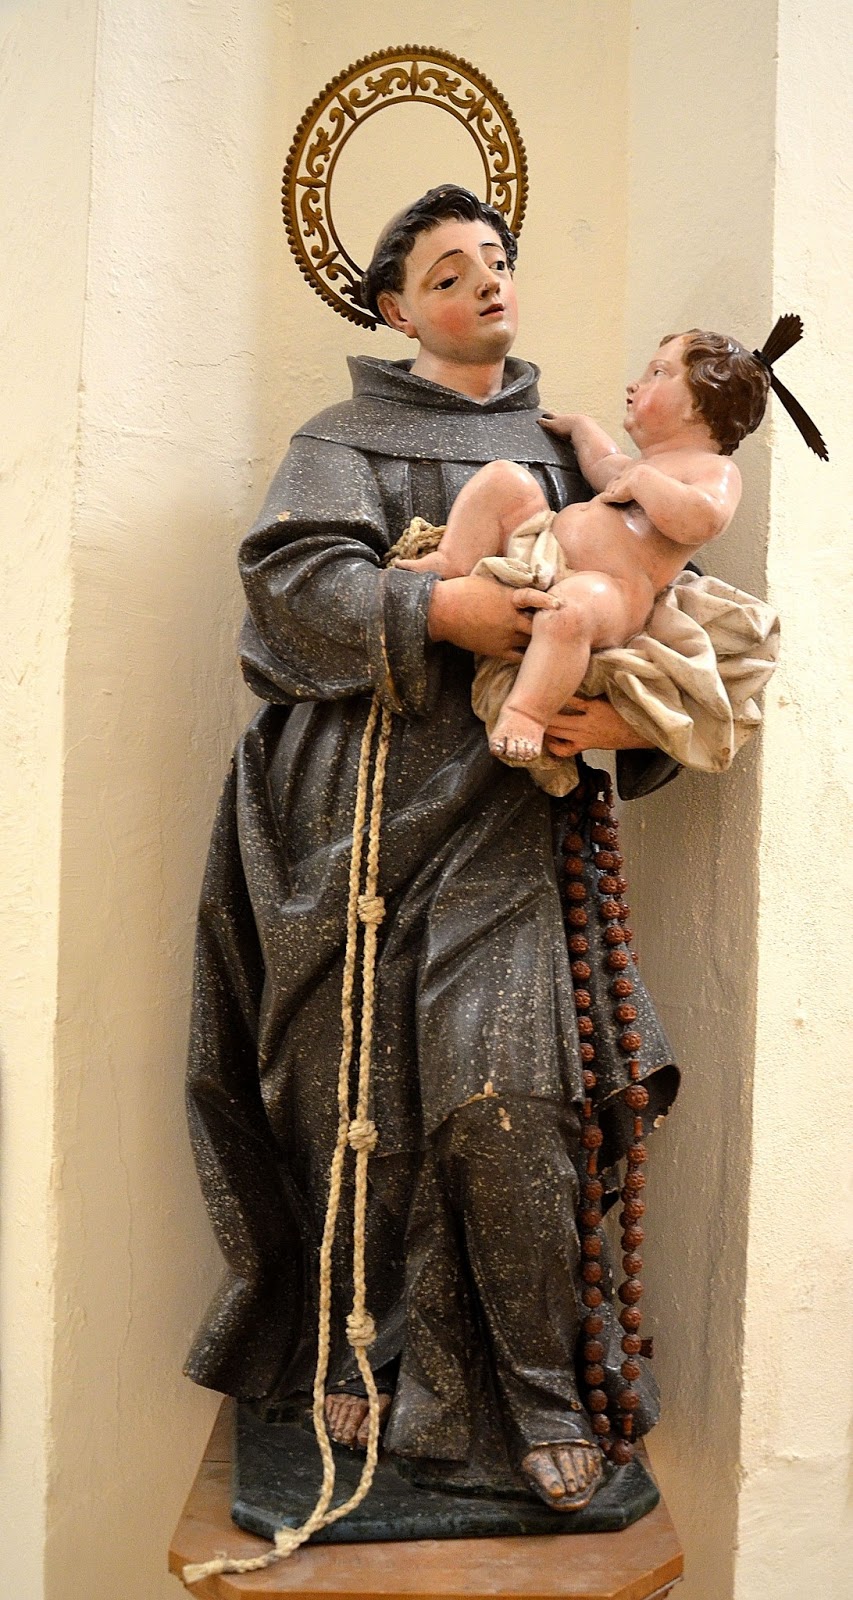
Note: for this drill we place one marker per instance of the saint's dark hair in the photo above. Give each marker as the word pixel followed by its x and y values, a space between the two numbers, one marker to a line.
pixel 728 383
pixel 446 203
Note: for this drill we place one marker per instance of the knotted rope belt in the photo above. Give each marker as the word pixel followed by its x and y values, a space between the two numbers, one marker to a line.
pixel 365 909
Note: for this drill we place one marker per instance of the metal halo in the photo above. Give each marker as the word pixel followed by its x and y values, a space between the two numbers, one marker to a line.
pixel 389 77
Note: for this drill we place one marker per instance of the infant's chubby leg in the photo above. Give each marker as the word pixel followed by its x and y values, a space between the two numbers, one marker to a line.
pixel 492 504
pixel 594 612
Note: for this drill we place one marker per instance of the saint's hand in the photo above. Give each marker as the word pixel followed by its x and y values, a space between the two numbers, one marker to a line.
pixel 589 725
pixel 485 617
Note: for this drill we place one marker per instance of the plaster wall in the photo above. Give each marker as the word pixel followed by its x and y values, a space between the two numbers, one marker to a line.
pixel 45 137
pixel 795 1530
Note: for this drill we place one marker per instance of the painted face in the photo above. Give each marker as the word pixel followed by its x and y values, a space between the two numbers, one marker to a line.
pixel 458 297
pixel 660 404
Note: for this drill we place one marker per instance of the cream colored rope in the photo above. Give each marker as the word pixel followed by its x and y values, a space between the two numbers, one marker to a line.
pixel 368 909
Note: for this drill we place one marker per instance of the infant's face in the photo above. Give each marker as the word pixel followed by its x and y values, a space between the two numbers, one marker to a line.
pixel 660 403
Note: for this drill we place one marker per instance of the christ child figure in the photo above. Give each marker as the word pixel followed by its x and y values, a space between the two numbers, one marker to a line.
pixel 700 394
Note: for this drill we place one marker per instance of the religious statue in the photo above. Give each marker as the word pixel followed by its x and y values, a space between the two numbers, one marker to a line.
pixel 493 1126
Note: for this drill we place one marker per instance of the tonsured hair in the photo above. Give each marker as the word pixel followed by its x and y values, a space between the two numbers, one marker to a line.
pixel 728 383
pixel 448 202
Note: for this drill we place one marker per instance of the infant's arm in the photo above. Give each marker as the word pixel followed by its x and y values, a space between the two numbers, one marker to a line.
pixel 691 508
pixel 599 458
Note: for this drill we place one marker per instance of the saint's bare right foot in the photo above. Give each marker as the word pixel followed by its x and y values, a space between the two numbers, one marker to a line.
pixel 347 1418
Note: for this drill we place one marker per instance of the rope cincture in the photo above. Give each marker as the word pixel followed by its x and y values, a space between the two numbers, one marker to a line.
pixel 365 909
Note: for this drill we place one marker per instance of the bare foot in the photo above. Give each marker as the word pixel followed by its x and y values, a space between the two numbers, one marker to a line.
pixel 434 562
pixel 565 1476
pixel 516 737
pixel 347 1418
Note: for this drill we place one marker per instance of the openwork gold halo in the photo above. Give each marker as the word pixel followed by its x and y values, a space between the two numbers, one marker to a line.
pixel 387 78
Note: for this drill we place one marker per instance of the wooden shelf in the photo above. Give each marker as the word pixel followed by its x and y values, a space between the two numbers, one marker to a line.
pixel 640 1563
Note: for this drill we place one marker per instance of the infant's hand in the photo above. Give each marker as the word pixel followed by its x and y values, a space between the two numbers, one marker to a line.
pixel 561 424
pixel 620 490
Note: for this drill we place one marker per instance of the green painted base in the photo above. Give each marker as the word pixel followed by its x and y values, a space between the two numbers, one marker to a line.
pixel 277 1477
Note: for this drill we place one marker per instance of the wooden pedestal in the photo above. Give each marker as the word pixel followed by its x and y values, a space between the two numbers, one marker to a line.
pixel 640 1563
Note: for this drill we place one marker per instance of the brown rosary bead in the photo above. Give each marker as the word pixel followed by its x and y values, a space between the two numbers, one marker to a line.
pixel 601 1423
pixel 630 1041
pixel 602 835
pixel 592 1138
pixel 574 867
pixel 583 999
pixel 585 1027
pixel 617 960
pixel 634 1182
pixel 628 934
pixel 613 935
pixel 630 1319
pixel 587 1052
pixel 632 1265
pixel 599 811
pixel 629 1400
pixel 589 1081
pixel 625 1012
pixel 575 891
pixel 633 1237
pixel 593 1325
pixel 621 988
pixel 593 1350
pixel 590 1218
pixel 592 1246
pixel 593 1189
pixel 593 1375
pixel 631 1370
pixel 622 1452
pixel 608 908
pixel 578 918
pixel 637 1153
pixel 607 884
pixel 636 1097
pixel 632 1344
pixel 581 970
pixel 578 944
pixel 631 1292
pixel 632 1211
pixel 592 1272
pixel 596 1400
pixel 605 860
pixel 624 912
pixel 574 843
pixel 622 882
pixel 592 1297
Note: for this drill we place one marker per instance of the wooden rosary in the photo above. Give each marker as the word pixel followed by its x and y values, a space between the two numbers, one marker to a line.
pixel 594 799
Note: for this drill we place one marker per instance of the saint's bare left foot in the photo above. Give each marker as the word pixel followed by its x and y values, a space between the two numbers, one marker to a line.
pixel 565 1476
pixel 347 1418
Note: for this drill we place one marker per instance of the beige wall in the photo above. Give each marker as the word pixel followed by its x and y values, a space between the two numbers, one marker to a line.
pixel 203 348
pixel 45 142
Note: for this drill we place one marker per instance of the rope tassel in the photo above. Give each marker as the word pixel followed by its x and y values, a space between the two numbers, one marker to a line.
pixel 365 908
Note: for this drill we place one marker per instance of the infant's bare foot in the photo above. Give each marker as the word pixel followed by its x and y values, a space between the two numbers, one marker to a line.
pixel 516 737
pixel 434 562
pixel 565 1476
pixel 347 1418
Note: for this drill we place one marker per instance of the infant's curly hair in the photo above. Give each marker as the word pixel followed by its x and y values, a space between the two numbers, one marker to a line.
pixel 728 383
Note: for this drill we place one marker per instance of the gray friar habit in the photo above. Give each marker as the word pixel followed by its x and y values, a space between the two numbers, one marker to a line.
pixel 472 1248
